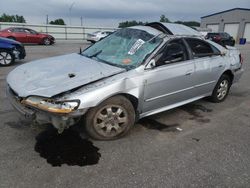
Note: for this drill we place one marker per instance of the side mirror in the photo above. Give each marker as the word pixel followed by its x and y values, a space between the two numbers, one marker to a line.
pixel 223 53
pixel 151 64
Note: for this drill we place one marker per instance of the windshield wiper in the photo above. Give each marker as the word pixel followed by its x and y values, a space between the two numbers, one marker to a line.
pixel 95 54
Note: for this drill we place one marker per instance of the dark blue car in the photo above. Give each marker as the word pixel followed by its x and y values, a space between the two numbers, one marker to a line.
pixel 10 50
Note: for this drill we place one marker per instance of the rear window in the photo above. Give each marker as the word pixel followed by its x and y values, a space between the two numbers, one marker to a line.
pixel 212 34
pixel 199 47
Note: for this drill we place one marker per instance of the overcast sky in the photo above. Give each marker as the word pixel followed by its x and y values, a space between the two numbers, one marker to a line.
pixel 110 12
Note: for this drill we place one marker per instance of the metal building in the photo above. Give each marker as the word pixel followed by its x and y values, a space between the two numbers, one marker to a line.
pixel 235 21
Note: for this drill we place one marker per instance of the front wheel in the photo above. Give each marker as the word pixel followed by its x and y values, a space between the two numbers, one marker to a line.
pixel 6 58
pixel 221 89
pixel 111 120
pixel 46 41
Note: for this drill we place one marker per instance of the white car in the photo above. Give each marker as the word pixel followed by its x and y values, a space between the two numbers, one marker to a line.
pixel 97 36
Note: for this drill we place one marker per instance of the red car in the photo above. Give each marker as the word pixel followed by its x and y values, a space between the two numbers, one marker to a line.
pixel 25 35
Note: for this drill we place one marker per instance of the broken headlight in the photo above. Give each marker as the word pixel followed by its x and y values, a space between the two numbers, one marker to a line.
pixel 50 105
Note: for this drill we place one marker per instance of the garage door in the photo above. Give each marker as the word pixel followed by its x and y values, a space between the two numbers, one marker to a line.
pixel 232 29
pixel 247 32
pixel 213 27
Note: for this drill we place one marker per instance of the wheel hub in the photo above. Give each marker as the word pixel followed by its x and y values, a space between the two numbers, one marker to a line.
pixel 223 89
pixel 110 120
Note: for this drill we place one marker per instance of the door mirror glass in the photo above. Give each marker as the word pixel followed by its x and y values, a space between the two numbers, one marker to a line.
pixel 151 64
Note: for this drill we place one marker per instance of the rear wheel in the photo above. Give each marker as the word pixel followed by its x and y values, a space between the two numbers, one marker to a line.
pixel 6 58
pixel 221 89
pixel 111 120
pixel 13 38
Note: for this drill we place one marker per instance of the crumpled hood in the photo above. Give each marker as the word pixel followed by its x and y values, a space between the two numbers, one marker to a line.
pixel 52 76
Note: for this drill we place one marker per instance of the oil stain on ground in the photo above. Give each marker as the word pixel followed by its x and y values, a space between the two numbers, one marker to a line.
pixel 153 124
pixel 195 111
pixel 66 148
pixel 18 125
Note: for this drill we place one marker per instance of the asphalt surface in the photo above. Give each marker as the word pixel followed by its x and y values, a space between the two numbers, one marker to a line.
pixel 198 145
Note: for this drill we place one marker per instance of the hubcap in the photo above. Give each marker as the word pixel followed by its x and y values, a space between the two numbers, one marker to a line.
pixel 5 58
pixel 222 90
pixel 111 120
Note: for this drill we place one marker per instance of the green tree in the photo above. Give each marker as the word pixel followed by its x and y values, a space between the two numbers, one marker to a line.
pixel 163 18
pixel 12 18
pixel 189 23
pixel 130 23
pixel 59 21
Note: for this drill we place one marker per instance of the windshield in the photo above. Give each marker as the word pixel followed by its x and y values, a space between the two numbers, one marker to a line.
pixel 126 48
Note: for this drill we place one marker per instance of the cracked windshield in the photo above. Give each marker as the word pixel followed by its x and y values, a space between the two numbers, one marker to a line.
pixel 126 48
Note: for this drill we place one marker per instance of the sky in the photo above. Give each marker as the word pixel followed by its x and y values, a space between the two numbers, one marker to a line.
pixel 108 13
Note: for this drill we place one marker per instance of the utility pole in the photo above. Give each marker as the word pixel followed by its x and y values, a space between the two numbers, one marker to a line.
pixel 70 9
pixel 47 19
pixel 81 20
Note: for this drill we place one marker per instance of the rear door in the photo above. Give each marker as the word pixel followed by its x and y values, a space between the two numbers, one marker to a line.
pixel 209 65
pixel 171 81
pixel 20 34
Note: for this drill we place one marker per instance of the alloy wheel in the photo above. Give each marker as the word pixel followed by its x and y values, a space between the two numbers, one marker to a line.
pixel 46 41
pixel 111 120
pixel 5 58
pixel 222 90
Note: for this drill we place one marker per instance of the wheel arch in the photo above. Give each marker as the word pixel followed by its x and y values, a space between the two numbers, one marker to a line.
pixel 230 74
pixel 133 99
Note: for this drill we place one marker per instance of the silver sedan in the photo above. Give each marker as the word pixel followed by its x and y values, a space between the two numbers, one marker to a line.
pixel 133 73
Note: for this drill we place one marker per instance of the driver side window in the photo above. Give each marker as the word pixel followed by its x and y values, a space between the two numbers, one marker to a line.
pixel 174 52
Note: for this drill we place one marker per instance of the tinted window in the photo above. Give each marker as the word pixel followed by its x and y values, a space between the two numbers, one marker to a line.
pixel 212 34
pixel 199 47
pixel 175 51
pixel 18 30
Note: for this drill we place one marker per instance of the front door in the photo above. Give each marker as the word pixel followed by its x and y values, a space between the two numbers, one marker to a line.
pixel 171 81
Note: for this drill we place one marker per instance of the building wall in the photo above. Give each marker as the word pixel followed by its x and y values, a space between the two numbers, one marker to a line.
pixel 242 17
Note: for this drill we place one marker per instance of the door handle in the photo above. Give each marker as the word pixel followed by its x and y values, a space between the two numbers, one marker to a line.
pixel 189 72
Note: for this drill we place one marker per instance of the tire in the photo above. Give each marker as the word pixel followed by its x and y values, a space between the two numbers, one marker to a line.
pixel 6 58
pixel 46 41
pixel 110 120
pixel 221 89
pixel 12 38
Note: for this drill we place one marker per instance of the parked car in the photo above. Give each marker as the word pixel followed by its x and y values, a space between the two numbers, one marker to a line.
pixel 25 35
pixel 223 39
pixel 10 50
pixel 97 36
pixel 133 73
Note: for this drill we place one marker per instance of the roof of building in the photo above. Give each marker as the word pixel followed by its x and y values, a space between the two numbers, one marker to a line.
pixel 226 11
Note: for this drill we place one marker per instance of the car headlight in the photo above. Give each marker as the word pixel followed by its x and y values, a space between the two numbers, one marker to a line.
pixel 50 105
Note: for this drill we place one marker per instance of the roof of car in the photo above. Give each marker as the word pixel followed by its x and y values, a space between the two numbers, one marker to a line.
pixel 148 29
pixel 174 29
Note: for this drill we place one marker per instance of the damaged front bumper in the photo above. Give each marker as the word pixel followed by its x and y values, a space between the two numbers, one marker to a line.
pixel 59 121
